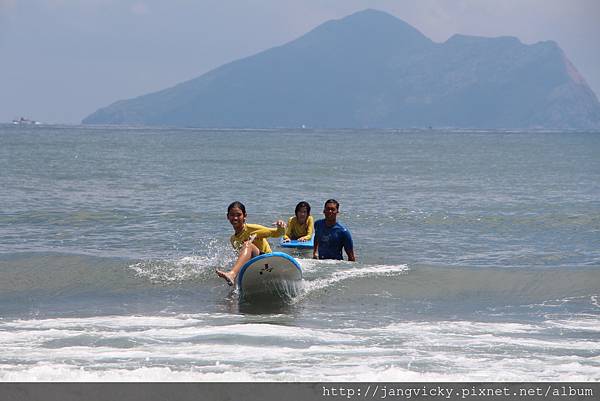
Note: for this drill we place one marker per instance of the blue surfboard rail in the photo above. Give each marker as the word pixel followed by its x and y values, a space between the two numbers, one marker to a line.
pixel 264 256
pixel 298 244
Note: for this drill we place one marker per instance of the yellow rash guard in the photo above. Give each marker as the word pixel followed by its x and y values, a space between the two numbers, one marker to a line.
pixel 296 231
pixel 262 232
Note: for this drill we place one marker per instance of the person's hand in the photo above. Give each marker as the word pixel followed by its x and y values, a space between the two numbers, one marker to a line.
pixel 280 224
pixel 315 256
pixel 285 240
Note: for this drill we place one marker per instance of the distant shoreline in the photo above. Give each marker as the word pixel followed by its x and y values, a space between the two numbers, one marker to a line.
pixel 298 129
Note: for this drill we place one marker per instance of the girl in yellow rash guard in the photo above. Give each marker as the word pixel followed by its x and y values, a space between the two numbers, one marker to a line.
pixel 301 226
pixel 248 239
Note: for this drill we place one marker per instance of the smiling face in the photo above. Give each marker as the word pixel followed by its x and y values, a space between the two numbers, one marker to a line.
pixel 302 215
pixel 330 211
pixel 237 218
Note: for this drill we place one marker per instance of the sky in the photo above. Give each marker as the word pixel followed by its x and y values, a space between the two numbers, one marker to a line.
pixel 61 60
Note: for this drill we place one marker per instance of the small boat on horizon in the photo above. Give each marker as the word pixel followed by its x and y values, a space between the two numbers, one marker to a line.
pixel 25 121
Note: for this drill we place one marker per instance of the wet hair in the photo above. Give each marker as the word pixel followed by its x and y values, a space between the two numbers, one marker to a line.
pixel 301 205
pixel 237 204
pixel 336 203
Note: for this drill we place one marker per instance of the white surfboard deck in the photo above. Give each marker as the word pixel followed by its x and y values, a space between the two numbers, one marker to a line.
pixel 271 276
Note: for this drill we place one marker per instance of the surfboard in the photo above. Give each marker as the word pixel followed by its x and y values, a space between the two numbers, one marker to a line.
pixel 298 244
pixel 271 276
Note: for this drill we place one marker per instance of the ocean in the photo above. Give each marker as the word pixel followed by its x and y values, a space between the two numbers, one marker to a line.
pixel 478 255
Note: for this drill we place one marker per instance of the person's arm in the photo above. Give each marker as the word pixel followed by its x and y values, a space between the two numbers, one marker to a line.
pixel 288 230
pixel 280 230
pixel 316 244
pixel 350 254
pixel 266 232
pixel 310 230
pixel 349 247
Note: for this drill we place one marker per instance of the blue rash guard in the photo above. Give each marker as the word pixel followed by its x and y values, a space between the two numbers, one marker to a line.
pixel 332 240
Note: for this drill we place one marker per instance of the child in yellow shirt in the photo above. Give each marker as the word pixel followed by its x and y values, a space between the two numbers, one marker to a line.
pixel 301 226
pixel 248 239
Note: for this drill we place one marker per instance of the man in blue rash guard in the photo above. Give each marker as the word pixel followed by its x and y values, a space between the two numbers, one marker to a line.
pixel 331 236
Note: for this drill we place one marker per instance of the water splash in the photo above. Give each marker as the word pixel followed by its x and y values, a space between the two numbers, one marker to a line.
pixel 343 272
pixel 200 267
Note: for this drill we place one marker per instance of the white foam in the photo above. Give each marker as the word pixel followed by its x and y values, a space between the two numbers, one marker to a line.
pixel 60 372
pixel 350 272
pixel 202 348
pixel 309 265
pixel 473 335
pixel 114 322
pixel 585 323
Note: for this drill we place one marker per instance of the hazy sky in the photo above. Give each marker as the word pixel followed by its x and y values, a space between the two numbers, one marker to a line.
pixel 60 60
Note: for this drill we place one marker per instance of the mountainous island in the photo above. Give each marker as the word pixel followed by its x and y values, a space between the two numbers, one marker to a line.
pixel 370 70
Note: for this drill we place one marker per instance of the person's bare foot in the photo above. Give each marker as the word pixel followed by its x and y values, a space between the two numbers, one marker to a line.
pixel 228 276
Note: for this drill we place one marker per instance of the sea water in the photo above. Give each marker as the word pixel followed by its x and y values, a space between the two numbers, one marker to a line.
pixel 478 255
